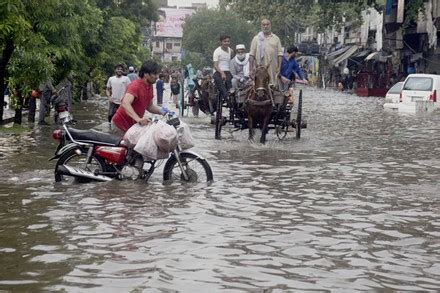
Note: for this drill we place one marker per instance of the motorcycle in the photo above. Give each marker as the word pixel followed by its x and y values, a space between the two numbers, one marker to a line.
pixel 90 155
pixel 60 106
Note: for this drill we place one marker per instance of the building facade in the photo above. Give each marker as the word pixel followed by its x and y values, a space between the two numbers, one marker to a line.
pixel 384 49
pixel 166 41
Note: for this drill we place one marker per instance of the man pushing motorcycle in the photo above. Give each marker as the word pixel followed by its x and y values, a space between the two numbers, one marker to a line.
pixel 137 99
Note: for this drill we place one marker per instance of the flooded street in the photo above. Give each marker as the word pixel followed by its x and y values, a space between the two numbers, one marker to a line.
pixel 353 205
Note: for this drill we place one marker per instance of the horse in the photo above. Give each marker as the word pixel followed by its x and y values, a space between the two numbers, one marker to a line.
pixel 259 103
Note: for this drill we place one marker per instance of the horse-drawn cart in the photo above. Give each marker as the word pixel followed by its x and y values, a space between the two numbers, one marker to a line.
pixel 254 104
pixel 262 105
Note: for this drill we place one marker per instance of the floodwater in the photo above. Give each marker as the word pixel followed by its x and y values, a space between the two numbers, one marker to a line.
pixel 353 205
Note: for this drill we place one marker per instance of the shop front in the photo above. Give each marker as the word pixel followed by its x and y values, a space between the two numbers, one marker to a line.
pixel 373 79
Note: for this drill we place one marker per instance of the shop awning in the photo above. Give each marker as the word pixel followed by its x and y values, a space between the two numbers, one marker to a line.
pixel 347 54
pixel 336 53
pixel 371 56
pixel 378 57
pixel 362 53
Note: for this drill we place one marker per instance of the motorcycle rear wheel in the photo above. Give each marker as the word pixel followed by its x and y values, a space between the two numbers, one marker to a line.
pixel 73 159
pixel 197 169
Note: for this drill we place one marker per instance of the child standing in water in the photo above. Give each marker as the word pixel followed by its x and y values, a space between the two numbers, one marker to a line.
pixel 175 91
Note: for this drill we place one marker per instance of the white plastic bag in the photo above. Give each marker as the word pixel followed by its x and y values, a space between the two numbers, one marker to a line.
pixel 157 142
pixel 186 141
pixel 146 146
pixel 134 133
pixel 165 137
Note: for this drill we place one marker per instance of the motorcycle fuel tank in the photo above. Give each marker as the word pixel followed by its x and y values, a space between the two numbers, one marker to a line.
pixel 113 155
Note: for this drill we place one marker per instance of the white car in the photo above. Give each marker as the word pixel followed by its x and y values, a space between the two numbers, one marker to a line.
pixel 393 94
pixel 420 87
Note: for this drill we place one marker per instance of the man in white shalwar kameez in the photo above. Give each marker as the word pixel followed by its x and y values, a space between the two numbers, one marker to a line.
pixel 266 49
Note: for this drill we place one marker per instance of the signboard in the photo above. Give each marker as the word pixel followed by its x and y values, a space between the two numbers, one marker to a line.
pixel 171 21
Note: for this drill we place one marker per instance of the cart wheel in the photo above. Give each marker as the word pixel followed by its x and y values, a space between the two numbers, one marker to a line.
pixel 282 129
pixel 218 118
pixel 299 116
pixel 232 105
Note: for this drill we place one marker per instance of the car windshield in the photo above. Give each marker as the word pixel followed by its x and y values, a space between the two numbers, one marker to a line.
pixel 396 89
pixel 418 84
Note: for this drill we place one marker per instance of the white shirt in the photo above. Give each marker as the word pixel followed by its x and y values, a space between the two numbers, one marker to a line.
pixel 118 87
pixel 223 58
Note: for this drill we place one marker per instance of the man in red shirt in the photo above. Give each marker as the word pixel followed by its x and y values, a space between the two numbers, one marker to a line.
pixel 137 99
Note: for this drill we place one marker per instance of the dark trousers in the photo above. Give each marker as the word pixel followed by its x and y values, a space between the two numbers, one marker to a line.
pixel 112 108
pixel 223 86
pixel 159 98
pixel 32 109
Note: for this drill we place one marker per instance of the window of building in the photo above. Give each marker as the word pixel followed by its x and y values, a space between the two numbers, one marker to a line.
pixel 177 44
pixel 157 44
pixel 169 46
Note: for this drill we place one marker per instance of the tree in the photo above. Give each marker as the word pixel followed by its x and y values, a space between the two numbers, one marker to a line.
pixel 53 38
pixel 39 38
pixel 140 12
pixel 288 15
pixel 202 30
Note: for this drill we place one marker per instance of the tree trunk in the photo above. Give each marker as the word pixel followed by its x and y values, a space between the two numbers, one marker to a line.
pixel 6 56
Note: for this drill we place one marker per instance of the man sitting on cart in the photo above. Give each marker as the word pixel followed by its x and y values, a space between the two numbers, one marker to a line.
pixel 240 67
pixel 288 72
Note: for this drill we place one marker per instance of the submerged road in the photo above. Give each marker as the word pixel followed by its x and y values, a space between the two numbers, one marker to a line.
pixel 353 205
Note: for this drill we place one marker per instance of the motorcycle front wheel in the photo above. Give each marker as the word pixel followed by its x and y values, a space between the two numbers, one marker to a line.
pixel 77 159
pixel 196 168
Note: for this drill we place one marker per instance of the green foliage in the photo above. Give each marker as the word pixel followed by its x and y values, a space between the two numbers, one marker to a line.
pixel 412 10
pixel 140 12
pixel 28 69
pixel 14 102
pixel 290 16
pixel 196 59
pixel 119 43
pixel 202 30
pixel 60 38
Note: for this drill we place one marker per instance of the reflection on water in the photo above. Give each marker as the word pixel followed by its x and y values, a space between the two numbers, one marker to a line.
pixel 351 206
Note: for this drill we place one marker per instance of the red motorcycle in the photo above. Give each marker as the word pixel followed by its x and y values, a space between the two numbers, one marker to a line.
pixel 90 155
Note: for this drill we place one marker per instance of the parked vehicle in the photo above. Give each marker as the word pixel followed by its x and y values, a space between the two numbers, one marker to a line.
pixel 420 87
pixel 90 155
pixel 393 94
pixel 419 93
pixel 60 106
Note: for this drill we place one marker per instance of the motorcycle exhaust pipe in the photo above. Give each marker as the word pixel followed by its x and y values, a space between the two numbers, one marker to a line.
pixel 81 173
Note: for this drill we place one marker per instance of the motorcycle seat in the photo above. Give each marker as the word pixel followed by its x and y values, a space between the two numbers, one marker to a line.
pixel 93 136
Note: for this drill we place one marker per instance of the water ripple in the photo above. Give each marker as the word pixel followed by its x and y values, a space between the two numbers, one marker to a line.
pixel 351 206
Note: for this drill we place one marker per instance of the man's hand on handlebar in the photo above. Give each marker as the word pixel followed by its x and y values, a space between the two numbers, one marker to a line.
pixel 164 110
pixel 144 121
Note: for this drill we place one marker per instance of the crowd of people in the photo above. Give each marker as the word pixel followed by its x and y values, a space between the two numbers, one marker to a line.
pixel 234 72
pixel 130 94
pixel 233 69
pixel 48 95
